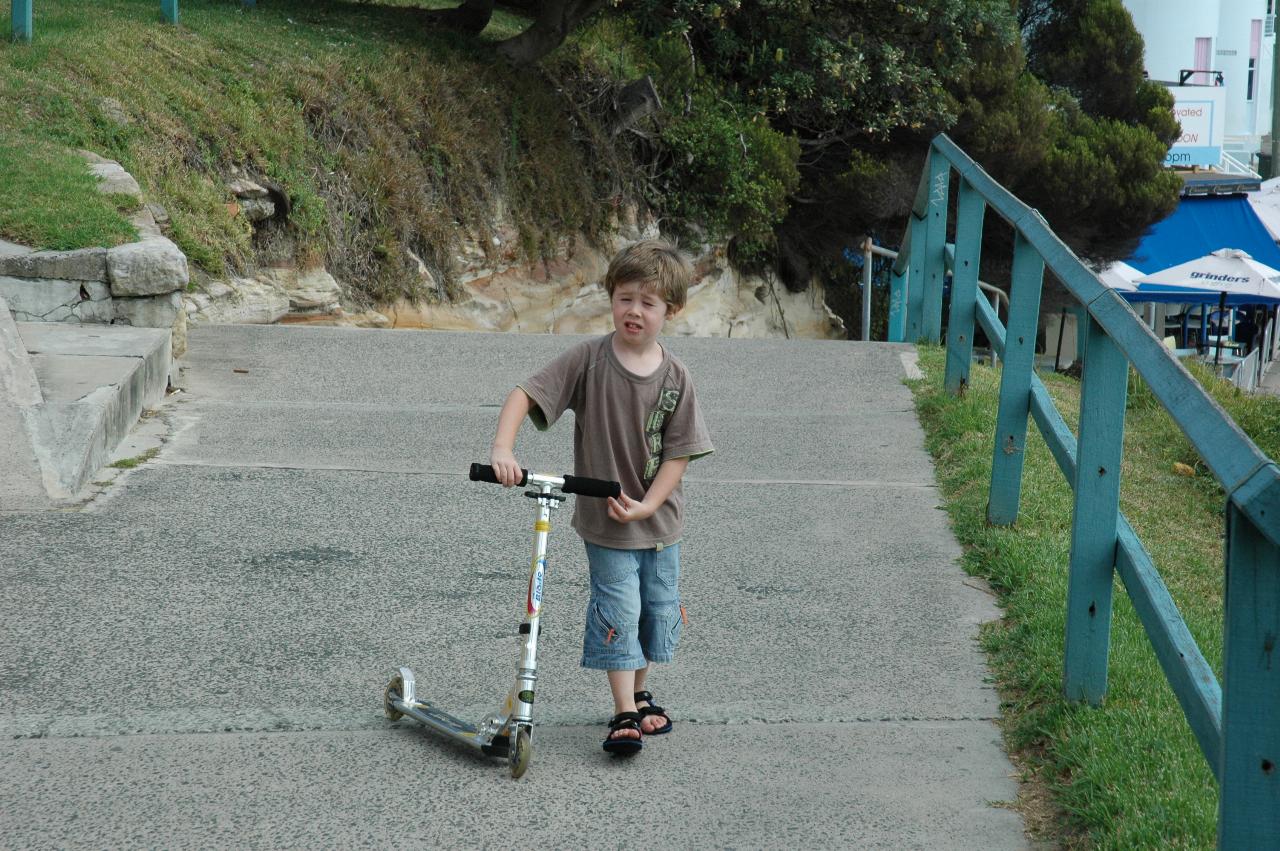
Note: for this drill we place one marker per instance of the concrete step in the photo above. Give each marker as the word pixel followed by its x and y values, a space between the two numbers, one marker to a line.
pixel 76 390
pixel 22 485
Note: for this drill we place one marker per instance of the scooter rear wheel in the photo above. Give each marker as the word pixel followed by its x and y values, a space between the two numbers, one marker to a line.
pixel 521 753
pixel 396 687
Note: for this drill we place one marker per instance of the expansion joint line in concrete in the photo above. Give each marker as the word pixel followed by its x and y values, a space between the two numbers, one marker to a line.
pixel 269 465
pixel 39 729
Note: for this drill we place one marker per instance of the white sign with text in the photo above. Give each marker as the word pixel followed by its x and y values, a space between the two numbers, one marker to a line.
pixel 1202 112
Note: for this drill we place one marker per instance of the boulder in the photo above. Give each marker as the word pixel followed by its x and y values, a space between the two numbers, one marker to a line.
pixel 145 223
pixel 243 187
pixel 159 311
pixel 150 267
pixel 114 111
pixel 309 290
pixel 114 180
pixel 257 209
pixel 86 264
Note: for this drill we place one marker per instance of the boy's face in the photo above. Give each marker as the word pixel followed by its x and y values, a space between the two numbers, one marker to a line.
pixel 638 314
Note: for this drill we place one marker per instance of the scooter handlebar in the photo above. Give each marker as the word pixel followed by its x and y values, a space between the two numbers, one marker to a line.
pixel 484 473
pixel 581 485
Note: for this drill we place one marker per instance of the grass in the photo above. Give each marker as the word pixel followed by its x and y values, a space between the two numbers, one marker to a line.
pixel 388 134
pixel 135 461
pixel 48 198
pixel 1128 774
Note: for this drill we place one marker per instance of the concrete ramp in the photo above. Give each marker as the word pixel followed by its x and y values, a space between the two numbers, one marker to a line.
pixel 219 626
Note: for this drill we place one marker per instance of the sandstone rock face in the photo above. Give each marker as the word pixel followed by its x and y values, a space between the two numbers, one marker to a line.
pixel 565 297
pixel 309 290
pixel 238 301
pixel 179 330
pixel 150 267
pixel 253 199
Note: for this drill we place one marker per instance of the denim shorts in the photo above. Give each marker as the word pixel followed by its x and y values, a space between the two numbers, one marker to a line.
pixel 633 617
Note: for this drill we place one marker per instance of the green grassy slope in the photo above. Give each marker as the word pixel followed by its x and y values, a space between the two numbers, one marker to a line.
pixel 1128 774
pixel 387 134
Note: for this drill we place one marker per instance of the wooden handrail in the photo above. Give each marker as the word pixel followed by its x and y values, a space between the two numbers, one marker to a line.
pixel 1235 722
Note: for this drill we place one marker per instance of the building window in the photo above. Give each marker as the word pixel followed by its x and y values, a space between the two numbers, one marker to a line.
pixel 1201 62
pixel 1255 47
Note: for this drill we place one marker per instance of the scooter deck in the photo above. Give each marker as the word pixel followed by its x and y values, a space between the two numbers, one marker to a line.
pixel 455 728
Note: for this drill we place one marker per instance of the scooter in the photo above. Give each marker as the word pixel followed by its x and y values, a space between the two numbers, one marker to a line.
pixel 508 733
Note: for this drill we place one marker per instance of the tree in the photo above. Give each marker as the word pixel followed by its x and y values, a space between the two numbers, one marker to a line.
pixel 1092 49
pixel 859 86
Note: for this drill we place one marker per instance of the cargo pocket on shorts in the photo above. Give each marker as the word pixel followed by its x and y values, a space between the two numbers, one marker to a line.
pixel 605 638
pixel 669 632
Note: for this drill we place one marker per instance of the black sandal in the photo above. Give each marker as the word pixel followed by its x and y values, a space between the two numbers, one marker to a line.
pixel 627 746
pixel 652 709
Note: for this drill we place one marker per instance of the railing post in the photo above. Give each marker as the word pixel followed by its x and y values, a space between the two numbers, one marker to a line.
pixel 934 245
pixel 1082 319
pixel 1015 383
pixel 1249 793
pixel 867 259
pixel 169 8
pixel 897 331
pixel 970 209
pixel 1103 390
pixel 915 281
pixel 21 17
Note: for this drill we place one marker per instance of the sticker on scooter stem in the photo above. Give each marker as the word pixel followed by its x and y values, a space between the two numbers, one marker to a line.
pixel 535 587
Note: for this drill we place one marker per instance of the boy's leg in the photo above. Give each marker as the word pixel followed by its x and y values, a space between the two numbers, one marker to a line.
pixel 650 722
pixel 660 619
pixel 623 686
pixel 611 640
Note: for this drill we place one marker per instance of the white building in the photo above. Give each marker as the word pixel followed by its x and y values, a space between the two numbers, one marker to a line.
pixel 1232 42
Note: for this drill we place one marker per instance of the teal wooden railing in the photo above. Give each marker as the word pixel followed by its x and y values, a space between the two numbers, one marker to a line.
pixel 1237 721
pixel 22 18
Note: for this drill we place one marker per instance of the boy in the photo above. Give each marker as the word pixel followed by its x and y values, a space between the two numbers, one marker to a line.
pixel 636 422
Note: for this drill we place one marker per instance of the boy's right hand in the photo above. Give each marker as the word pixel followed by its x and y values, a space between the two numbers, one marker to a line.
pixel 505 466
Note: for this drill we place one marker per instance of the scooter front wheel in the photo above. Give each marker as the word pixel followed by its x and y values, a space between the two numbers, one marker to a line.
pixel 521 753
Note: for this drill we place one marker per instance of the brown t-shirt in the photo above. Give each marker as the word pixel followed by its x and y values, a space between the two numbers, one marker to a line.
pixel 625 427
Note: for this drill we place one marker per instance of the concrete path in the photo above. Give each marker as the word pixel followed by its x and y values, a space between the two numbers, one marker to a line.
pixel 1271 381
pixel 197 657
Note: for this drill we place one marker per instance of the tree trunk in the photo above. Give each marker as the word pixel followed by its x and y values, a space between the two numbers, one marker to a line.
pixel 556 19
pixel 471 17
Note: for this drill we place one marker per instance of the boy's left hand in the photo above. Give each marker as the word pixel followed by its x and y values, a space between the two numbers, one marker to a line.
pixel 624 509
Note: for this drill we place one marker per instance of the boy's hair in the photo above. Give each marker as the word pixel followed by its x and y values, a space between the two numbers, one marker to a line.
pixel 655 265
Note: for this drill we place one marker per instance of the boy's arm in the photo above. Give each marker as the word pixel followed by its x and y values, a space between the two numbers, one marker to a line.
pixel 502 454
pixel 624 509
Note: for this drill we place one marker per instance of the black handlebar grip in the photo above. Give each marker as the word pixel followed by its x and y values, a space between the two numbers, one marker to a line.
pixel 484 473
pixel 584 486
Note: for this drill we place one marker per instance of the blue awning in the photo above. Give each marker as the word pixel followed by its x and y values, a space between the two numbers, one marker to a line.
pixel 1202 225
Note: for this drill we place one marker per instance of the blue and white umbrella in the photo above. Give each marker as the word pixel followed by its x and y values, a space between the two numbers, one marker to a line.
pixel 1227 276
pixel 1120 276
